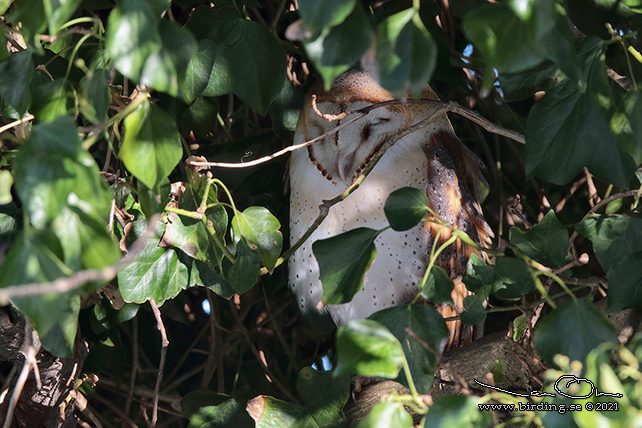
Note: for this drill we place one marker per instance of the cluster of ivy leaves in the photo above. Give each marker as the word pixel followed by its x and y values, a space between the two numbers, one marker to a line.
pixel 117 96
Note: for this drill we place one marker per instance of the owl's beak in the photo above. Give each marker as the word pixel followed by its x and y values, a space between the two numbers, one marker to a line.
pixel 345 165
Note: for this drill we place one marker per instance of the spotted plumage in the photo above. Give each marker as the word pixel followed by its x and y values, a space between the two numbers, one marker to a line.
pixel 431 159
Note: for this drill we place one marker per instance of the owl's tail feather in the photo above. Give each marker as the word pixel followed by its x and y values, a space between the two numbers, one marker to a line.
pixel 454 195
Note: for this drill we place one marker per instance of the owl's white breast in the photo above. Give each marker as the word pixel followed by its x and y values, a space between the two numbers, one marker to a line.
pixel 400 261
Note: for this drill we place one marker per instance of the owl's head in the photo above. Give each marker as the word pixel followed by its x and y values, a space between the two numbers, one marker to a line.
pixel 344 154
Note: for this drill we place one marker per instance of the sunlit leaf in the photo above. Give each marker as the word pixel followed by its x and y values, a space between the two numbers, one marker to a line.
pixel 211 409
pixel 336 48
pixel 157 273
pixel 151 147
pixel 260 227
pixel 317 15
pixel 428 330
pixel 387 414
pixel 367 348
pixel 406 52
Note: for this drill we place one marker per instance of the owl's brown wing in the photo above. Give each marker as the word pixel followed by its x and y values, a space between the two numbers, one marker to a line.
pixel 454 194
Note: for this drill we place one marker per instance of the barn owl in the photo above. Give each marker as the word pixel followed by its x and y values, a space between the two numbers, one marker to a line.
pixel 431 159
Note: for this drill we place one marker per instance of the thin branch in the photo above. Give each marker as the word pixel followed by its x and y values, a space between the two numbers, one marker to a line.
pixel 135 366
pixel 210 365
pixel 625 82
pixel 257 356
pixel 451 106
pixel 15 123
pixel 161 363
pixel 65 284
pixel 29 363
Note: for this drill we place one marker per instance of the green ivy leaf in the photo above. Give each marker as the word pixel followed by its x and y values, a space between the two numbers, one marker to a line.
pixel 189 236
pixel 59 13
pixel 153 201
pixel 428 327
pixel 502 38
pixel 104 317
pixel 36 257
pixel 367 348
pixel 546 242
pixel 51 167
pixel 165 68
pixel 278 413
pixel 478 274
pixel 151 147
pixel 405 208
pixel 247 59
pixel 625 283
pixel 199 68
pixel 211 409
pixel 508 279
pixel 157 274
pixel 614 237
pixel 474 311
pixel 337 48
pixel 387 414
pixel 83 235
pixel 199 117
pixel 51 100
pixel 261 228
pixel 318 15
pixel 406 52
pixel 343 262
pixel 324 395
pixel 566 130
pixel 6 181
pixel 626 124
pixel 15 79
pixel 511 279
pixel 439 286
pixel 573 329
pixel 522 85
pixel 94 95
pixel 132 36
pixel 244 273
pixel 456 410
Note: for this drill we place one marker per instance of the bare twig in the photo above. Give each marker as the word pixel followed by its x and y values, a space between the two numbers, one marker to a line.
pixel 135 366
pixel 15 123
pixel 625 82
pixel 570 193
pixel 161 363
pixel 257 355
pixel 210 365
pixel 65 284
pixel 443 108
pixel 594 198
pixel 29 364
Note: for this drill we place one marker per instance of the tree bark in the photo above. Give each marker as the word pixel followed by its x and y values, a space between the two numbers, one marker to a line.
pixel 52 405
